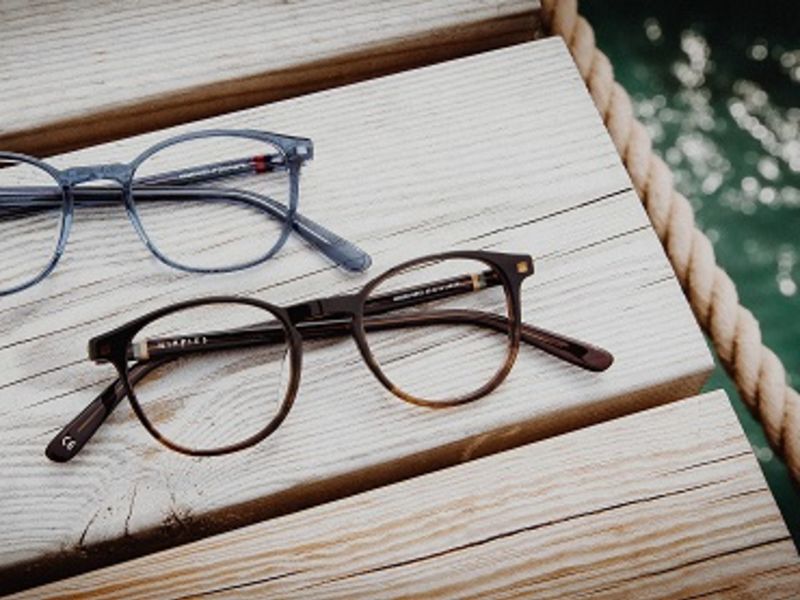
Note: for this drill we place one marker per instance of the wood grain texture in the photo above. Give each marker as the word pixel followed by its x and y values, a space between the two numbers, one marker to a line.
pixel 88 71
pixel 501 151
pixel 667 503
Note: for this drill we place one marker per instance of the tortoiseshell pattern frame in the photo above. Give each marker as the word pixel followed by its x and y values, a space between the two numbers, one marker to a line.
pixel 336 316
pixel 292 153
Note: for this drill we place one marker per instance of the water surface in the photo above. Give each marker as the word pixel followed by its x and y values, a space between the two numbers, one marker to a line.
pixel 718 87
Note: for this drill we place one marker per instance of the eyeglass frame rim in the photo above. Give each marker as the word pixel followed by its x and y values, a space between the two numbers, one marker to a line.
pixel 123 173
pixel 352 305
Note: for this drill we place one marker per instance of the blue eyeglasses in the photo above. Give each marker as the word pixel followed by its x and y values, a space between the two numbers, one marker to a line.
pixel 230 214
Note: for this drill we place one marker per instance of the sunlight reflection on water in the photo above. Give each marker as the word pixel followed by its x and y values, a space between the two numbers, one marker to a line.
pixel 700 166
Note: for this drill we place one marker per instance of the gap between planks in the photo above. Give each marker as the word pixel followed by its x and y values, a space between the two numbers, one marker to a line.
pixel 100 75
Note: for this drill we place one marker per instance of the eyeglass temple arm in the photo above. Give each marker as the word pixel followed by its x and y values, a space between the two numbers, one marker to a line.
pixel 316 319
pixel 69 441
pixel 341 251
pixel 44 197
pixel 263 163
pixel 576 352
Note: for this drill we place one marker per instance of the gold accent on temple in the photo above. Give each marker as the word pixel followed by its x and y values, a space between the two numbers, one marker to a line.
pixel 140 350
pixel 523 266
pixel 478 281
pixel 475 281
pixel 87 420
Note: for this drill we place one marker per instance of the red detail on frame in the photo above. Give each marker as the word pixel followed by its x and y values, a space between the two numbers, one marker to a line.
pixel 260 164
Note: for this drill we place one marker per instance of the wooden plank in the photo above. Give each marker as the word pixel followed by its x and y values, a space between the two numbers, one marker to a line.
pixel 413 146
pixel 89 72
pixel 665 503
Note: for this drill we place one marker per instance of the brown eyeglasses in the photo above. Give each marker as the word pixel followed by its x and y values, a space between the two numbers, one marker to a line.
pixel 217 375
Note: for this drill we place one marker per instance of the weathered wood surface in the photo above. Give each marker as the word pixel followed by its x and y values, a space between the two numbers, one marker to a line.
pixel 80 73
pixel 504 151
pixel 667 503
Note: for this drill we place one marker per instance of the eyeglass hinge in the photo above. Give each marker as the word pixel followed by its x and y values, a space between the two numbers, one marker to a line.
pixel 301 151
pixel 99 351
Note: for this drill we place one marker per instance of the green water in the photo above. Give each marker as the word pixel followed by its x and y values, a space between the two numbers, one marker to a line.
pixel 718 87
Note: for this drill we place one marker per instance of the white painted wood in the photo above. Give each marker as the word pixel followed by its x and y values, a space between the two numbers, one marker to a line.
pixel 666 503
pixel 500 151
pixel 87 70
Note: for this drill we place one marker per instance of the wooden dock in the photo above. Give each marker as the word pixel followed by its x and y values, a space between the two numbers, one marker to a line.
pixel 664 503
pixel 454 131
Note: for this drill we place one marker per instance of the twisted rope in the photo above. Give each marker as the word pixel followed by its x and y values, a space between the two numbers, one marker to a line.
pixel 757 372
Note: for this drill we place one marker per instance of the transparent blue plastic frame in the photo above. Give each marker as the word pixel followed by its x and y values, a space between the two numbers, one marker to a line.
pixel 294 151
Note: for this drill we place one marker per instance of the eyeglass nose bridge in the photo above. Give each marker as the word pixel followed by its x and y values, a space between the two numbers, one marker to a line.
pixel 113 172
